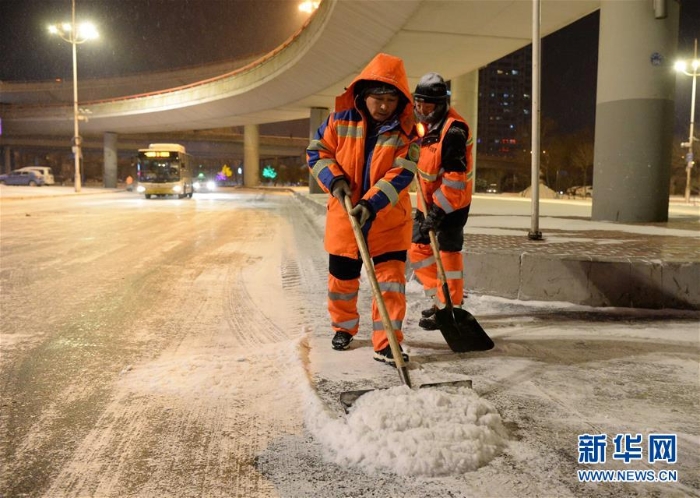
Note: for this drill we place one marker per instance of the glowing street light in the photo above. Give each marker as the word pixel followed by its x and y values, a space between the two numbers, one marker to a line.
pixel 75 34
pixel 308 6
pixel 682 67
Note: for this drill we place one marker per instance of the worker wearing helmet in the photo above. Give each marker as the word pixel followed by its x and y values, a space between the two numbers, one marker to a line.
pixel 367 150
pixel 446 178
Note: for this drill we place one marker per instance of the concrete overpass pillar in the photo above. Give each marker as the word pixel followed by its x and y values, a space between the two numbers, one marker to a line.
pixel 634 111
pixel 317 116
pixel 251 156
pixel 465 99
pixel 110 160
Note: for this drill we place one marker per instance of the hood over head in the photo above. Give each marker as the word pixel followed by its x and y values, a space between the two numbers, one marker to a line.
pixel 383 70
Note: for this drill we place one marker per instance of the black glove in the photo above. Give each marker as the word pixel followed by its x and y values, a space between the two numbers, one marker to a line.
pixel 432 220
pixel 363 212
pixel 340 189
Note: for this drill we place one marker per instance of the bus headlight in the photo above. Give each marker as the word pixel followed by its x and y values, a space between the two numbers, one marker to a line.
pixel 141 189
pixel 177 188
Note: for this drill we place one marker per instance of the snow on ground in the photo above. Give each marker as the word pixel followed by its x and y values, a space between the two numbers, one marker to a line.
pixel 452 431
pixel 241 392
pixel 576 368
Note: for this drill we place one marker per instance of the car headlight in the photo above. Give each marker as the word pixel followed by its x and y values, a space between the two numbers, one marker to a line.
pixel 196 185
pixel 211 185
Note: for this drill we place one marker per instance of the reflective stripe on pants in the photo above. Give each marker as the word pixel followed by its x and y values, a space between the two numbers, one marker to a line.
pixel 391 276
pixel 342 304
pixel 425 269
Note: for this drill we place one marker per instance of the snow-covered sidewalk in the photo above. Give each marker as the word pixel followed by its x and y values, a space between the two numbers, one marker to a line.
pixel 561 375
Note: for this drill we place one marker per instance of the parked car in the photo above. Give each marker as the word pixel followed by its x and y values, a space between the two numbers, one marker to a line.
pixel 45 171
pixel 585 191
pixel 31 178
pixel 492 189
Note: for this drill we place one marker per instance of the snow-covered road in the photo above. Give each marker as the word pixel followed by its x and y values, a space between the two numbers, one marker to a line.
pixel 182 348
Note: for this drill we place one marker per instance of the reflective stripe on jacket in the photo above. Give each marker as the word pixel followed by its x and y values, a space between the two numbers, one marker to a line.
pixel 379 165
pixel 450 190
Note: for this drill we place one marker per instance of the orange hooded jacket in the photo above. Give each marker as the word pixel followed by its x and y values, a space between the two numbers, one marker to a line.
pixel 379 166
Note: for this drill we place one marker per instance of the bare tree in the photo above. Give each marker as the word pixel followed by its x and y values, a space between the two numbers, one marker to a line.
pixel 582 153
pixel 548 143
pixel 678 166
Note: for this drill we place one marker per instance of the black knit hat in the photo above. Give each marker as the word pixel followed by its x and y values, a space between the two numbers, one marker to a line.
pixel 378 88
pixel 431 88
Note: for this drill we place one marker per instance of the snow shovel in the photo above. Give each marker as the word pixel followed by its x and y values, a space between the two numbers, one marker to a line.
pixel 349 397
pixel 459 328
pixel 386 321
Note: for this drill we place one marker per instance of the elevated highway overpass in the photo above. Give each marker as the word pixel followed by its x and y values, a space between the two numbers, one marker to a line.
pixel 301 78
pixel 308 71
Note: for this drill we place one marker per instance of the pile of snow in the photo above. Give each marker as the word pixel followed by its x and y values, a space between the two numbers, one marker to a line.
pixel 428 432
pixel 544 192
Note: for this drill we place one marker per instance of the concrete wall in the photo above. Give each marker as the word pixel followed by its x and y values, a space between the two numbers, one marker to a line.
pixel 583 280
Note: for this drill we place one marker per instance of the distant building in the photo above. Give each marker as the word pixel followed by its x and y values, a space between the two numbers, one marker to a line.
pixel 505 104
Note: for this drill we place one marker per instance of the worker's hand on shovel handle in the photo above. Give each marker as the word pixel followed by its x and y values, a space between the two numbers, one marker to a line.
pixel 432 220
pixel 340 189
pixel 362 213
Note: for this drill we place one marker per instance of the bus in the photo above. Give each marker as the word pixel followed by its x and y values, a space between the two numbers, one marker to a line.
pixel 164 169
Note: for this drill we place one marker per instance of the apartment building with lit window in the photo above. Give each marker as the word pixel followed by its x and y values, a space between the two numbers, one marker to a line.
pixel 505 104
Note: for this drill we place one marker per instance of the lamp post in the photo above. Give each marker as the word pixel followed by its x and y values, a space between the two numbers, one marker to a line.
pixel 75 34
pixel 681 67
pixel 534 233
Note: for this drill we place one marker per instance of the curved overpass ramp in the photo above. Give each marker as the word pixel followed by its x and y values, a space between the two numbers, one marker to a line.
pixel 451 37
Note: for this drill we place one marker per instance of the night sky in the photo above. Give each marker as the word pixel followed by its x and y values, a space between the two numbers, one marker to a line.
pixel 139 35
pixel 568 93
pixel 148 35
pixel 570 65
pixel 689 31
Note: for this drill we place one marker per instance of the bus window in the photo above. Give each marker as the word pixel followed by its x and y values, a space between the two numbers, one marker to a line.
pixel 158 170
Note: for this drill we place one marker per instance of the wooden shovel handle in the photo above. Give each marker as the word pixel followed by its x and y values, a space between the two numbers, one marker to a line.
pixel 369 266
pixel 435 247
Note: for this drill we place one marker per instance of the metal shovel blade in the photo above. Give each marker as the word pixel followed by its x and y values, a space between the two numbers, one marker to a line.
pixel 461 331
pixel 348 398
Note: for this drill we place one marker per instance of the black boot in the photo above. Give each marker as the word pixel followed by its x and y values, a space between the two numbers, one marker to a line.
pixel 429 311
pixel 429 322
pixel 385 356
pixel 341 340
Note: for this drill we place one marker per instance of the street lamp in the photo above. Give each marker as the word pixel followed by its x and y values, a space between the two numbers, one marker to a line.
pixel 308 6
pixel 682 67
pixel 75 34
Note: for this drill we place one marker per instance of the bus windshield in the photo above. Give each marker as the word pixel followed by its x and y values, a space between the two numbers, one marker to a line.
pixel 159 169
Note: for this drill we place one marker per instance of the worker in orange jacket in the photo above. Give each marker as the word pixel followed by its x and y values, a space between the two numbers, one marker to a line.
pixel 446 178
pixel 367 150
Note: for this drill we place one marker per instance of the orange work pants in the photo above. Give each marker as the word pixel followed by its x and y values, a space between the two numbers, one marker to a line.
pixel 425 269
pixel 342 302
